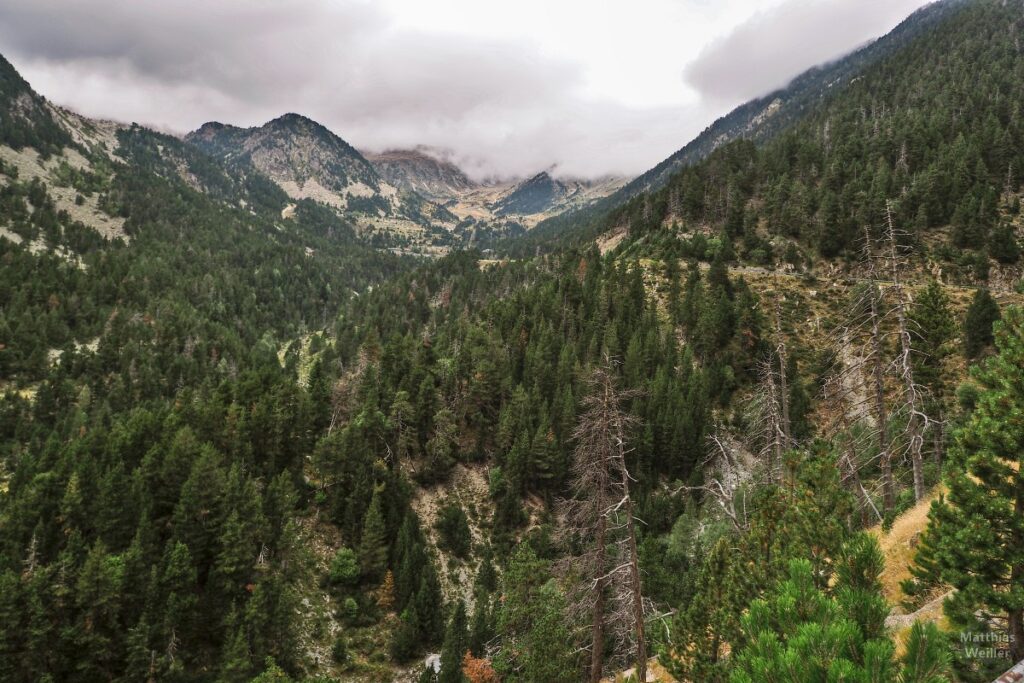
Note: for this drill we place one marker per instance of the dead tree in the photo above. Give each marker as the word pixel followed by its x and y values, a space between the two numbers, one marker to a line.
pixel 876 360
pixel 769 426
pixel 835 397
pixel 607 590
pixel 780 351
pixel 726 482
pixel 917 421
pixel 675 206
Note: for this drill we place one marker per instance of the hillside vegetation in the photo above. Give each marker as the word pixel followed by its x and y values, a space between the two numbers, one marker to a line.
pixel 760 422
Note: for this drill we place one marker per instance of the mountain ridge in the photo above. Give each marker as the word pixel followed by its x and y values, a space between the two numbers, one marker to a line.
pixel 760 118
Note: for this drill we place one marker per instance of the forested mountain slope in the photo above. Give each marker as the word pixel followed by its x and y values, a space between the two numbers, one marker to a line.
pixel 108 346
pixel 238 444
pixel 760 119
pixel 933 132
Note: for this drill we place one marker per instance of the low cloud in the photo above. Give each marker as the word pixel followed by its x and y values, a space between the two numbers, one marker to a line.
pixel 772 47
pixel 502 107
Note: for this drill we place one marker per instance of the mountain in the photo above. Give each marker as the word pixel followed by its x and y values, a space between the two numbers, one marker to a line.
pixel 906 141
pixel 762 118
pixel 300 155
pixel 489 211
pixel 25 117
pixel 308 161
pixel 534 195
pixel 239 443
pixel 422 171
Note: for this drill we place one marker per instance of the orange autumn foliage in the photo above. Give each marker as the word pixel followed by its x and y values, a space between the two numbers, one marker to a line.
pixel 478 670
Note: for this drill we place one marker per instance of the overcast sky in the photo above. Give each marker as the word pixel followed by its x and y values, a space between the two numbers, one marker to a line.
pixel 589 86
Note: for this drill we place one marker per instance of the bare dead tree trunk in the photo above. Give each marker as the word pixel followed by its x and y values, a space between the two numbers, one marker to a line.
pixel 783 383
pixel 835 394
pixel 917 421
pixel 635 583
pixel 597 620
pixel 878 377
pixel 881 411
pixel 769 424
pixel 673 202
pixel 601 514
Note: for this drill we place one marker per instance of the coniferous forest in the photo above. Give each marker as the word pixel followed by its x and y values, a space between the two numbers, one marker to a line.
pixel 760 422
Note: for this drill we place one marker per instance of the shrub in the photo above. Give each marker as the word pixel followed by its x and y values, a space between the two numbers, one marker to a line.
pixel 344 568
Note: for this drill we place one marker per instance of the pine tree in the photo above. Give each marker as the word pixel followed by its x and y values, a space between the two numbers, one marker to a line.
pixel 1003 245
pixel 97 593
pixel 478 670
pixel 480 631
pixel 705 628
pixel 536 644
pixel 177 586
pixel 236 660
pixel 977 532
pixel 235 559
pixel 934 328
pixel 803 633
pixel 386 594
pixel 429 606
pixel 456 644
pixel 981 316
pixel 10 625
pixel 406 640
pixel 442 448
pixel 373 546
pixel 400 422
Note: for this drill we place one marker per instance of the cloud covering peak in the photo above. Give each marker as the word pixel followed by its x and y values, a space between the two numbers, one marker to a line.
pixel 536 87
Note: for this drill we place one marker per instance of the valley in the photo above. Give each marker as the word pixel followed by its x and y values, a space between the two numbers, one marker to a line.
pixel 277 408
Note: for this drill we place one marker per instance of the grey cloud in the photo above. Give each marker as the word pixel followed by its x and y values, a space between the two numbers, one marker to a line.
pixel 178 64
pixel 501 107
pixel 768 50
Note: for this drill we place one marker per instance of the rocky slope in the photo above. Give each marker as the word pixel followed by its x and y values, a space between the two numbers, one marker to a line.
pixel 421 170
pixel 498 207
pixel 308 161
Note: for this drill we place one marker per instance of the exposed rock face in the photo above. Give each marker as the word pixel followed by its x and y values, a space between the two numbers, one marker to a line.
pixel 418 170
pixel 308 161
pixel 300 155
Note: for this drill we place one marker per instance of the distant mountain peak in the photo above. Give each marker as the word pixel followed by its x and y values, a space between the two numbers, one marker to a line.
pixel 536 194
pixel 302 156
pixel 423 170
